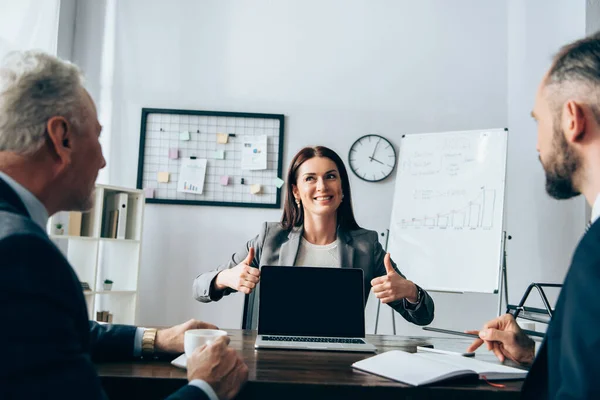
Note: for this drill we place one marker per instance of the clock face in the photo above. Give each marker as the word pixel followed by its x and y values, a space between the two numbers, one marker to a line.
pixel 372 158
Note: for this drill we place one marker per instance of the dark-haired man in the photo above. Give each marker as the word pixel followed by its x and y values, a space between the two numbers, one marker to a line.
pixel 567 112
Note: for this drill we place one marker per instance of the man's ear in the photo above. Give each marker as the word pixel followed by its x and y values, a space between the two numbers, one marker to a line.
pixel 574 121
pixel 60 135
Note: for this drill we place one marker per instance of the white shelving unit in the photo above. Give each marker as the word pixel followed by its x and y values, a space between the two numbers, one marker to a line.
pixel 96 257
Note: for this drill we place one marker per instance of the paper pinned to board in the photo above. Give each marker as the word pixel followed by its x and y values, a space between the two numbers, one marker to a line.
pixel 191 176
pixel 254 152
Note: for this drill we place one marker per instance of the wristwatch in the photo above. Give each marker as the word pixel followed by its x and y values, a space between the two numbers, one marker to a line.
pixel 419 296
pixel 148 340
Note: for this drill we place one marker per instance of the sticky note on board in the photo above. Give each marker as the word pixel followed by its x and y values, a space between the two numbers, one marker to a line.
pixel 163 177
pixel 279 183
pixel 255 189
pixel 222 138
pixel 149 193
pixel 173 154
pixel 185 135
pixel 220 154
pixel 224 180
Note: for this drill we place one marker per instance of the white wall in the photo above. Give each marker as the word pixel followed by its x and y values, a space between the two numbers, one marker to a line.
pixel 66 29
pixel 545 231
pixel 337 70
pixel 29 24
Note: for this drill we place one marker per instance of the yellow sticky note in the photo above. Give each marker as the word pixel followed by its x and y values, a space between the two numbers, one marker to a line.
pixel 255 189
pixel 163 177
pixel 222 138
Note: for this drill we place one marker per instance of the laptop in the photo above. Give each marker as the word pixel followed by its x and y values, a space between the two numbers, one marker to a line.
pixel 312 308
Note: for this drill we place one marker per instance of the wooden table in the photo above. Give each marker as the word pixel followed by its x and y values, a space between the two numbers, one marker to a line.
pixel 290 375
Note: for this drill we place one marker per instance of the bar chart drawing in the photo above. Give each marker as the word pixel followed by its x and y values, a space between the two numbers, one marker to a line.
pixel 477 213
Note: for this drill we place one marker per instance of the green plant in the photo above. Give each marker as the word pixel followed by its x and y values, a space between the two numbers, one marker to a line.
pixel 59 226
pixel 108 281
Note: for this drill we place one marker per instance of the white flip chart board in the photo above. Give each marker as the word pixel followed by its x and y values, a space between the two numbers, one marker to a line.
pixel 447 219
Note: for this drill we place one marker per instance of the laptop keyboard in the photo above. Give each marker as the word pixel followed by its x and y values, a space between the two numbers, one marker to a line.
pixel 312 339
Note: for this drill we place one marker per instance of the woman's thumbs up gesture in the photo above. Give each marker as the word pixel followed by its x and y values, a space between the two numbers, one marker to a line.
pixel 243 277
pixel 392 286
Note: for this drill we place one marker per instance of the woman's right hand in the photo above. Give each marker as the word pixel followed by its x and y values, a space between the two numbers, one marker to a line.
pixel 242 277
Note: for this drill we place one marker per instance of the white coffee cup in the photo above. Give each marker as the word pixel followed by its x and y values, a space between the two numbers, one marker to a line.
pixel 199 337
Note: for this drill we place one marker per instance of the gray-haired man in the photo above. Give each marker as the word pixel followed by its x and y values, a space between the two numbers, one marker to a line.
pixel 50 156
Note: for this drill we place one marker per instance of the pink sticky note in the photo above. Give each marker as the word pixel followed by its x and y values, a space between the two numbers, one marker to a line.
pixel 149 193
pixel 173 154
pixel 224 180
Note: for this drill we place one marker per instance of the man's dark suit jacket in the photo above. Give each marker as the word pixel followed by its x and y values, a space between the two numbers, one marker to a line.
pixel 48 344
pixel 568 363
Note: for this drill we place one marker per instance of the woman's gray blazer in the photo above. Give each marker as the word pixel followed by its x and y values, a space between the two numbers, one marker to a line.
pixel 358 248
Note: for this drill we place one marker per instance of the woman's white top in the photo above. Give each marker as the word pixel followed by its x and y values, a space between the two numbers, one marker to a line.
pixel 314 255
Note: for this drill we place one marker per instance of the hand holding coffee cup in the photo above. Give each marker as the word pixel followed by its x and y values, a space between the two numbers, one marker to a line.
pixel 218 365
pixel 170 340
pixel 195 338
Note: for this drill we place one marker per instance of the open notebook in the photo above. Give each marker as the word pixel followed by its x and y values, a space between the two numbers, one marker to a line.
pixel 422 368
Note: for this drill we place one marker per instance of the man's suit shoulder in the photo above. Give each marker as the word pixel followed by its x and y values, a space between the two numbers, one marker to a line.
pixel 588 250
pixel 30 254
pixel 14 224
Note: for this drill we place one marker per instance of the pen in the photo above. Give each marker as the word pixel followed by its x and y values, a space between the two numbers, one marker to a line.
pixel 472 335
pixel 440 351
pixel 458 333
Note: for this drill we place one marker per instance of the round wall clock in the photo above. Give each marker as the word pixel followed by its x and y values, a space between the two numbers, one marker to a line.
pixel 372 158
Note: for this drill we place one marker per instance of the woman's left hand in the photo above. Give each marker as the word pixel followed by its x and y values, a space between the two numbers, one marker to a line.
pixel 392 287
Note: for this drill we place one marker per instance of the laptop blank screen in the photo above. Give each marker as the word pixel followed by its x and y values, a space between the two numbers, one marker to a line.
pixel 308 301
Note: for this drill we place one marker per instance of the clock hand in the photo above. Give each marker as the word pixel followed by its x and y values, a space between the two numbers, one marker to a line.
pixel 374 150
pixel 374 159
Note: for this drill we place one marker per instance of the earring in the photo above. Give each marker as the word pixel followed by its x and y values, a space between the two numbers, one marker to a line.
pixel 342 197
pixel 298 203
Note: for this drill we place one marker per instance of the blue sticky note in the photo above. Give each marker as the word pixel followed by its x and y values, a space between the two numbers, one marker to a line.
pixel 220 154
pixel 185 135
pixel 279 182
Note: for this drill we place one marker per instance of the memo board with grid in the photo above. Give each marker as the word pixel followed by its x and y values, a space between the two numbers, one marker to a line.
pixel 160 135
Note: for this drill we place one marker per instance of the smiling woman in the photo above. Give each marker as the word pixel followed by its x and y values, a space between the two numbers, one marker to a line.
pixel 317 229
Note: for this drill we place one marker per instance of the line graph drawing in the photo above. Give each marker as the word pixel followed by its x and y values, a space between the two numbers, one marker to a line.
pixel 477 213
